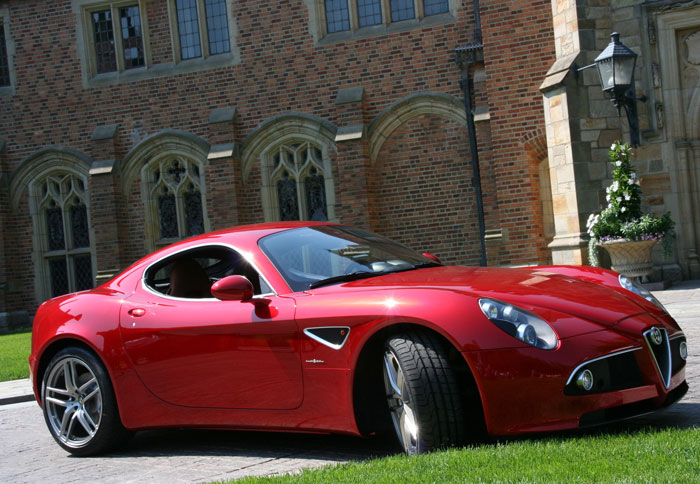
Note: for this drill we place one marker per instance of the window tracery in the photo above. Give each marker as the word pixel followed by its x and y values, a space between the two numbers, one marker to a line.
pixel 175 192
pixel 297 176
pixel 66 251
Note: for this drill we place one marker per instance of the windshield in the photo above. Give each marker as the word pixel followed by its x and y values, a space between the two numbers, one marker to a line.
pixel 310 257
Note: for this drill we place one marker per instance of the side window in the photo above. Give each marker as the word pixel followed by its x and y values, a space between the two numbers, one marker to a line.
pixel 116 37
pixel 7 51
pixel 190 274
pixel 202 28
pixel 352 15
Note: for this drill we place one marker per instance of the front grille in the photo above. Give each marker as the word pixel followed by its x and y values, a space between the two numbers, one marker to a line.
pixel 614 372
pixel 657 339
pixel 677 363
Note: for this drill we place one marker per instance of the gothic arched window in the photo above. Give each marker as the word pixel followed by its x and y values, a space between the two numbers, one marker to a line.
pixel 175 194
pixel 298 180
pixel 66 251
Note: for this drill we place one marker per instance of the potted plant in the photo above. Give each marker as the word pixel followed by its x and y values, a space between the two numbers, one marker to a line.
pixel 621 229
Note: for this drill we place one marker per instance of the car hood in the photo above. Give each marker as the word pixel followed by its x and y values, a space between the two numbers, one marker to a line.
pixel 527 288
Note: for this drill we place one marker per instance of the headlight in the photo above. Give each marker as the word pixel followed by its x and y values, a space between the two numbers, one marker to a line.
pixel 633 286
pixel 520 324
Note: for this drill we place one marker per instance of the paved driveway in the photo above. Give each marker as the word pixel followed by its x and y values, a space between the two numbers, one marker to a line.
pixel 29 455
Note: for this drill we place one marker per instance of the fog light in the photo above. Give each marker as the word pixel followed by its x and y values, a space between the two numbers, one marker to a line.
pixel 683 349
pixel 584 380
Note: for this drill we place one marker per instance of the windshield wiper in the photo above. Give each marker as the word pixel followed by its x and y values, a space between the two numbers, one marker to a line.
pixel 352 276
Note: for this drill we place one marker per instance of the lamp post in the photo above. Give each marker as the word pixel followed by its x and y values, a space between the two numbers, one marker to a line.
pixel 615 67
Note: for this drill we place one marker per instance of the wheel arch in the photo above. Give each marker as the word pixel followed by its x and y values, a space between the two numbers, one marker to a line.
pixel 369 405
pixel 57 345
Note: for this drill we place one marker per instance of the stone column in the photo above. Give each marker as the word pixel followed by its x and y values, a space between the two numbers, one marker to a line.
pixel 352 160
pixel 577 117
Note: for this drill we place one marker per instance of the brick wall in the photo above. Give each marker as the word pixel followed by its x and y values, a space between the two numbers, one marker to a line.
pixel 282 70
pixel 424 196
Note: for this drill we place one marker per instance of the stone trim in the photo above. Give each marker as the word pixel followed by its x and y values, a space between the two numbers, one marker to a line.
pixel 350 95
pixel 271 131
pixel 166 142
pixel 222 115
pixel 103 167
pixel 350 133
pixel 418 104
pixel 221 151
pixel 43 161
pixel 108 131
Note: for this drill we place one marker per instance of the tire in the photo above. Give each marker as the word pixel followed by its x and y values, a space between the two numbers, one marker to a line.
pixel 79 404
pixel 422 392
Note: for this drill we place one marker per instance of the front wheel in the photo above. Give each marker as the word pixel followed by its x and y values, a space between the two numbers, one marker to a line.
pixel 422 392
pixel 79 404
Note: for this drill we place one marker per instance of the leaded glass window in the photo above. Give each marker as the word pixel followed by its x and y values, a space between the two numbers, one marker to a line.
pixel 202 35
pixel 132 39
pixel 434 7
pixel 402 10
pixel 217 27
pixel 4 60
pixel 103 35
pixel 176 194
pixel 188 27
pixel 351 15
pixel 66 240
pixel 369 12
pixel 337 16
pixel 117 37
pixel 298 179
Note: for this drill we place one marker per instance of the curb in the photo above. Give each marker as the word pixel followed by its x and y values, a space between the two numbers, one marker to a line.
pixel 16 399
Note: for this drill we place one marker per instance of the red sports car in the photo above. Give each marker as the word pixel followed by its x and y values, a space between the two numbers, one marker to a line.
pixel 318 327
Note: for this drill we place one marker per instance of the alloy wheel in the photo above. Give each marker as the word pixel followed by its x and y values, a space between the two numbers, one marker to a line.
pixel 73 402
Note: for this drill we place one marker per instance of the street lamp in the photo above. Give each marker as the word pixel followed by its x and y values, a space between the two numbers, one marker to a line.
pixel 616 70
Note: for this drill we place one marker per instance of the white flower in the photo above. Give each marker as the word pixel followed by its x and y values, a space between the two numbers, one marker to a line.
pixel 624 209
pixel 619 199
pixel 630 181
pixel 627 196
pixel 607 197
pixel 618 163
pixel 615 186
pixel 614 146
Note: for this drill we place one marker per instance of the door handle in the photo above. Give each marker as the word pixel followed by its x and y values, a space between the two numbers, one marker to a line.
pixel 137 312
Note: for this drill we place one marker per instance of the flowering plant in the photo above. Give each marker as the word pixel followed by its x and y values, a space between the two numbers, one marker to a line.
pixel 622 219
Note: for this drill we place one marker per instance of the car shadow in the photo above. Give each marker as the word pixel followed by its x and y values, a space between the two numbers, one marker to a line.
pixel 339 448
pixel 255 444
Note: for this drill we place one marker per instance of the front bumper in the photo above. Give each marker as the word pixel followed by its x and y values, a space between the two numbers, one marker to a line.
pixel 531 390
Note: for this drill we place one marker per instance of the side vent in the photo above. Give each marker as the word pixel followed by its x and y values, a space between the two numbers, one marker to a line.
pixel 331 336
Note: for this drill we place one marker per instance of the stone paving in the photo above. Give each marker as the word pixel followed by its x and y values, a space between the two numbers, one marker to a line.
pixel 28 454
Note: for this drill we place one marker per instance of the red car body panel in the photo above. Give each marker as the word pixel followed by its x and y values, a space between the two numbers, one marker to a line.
pixel 241 364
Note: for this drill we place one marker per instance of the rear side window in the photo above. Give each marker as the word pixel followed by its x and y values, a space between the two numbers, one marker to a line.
pixel 191 273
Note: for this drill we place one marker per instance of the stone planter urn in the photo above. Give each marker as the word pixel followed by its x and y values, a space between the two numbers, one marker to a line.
pixel 630 258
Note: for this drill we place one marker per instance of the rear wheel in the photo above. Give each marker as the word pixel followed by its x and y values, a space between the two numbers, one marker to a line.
pixel 422 392
pixel 79 405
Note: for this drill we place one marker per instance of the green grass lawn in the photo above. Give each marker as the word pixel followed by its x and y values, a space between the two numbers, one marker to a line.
pixel 14 351
pixel 642 456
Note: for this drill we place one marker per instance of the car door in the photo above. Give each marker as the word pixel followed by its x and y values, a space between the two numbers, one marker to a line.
pixel 212 353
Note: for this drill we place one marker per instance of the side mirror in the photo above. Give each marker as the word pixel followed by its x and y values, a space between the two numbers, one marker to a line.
pixel 232 288
pixel 432 257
